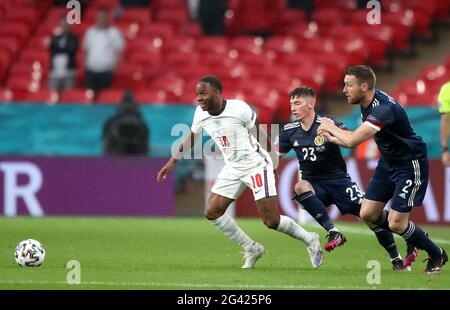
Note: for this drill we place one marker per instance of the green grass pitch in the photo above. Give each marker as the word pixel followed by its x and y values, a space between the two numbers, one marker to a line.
pixel 131 253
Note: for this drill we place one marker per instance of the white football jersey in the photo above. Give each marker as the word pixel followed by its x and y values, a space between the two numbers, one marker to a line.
pixel 230 130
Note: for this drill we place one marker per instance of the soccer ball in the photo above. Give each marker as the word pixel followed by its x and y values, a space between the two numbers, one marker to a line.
pixel 29 252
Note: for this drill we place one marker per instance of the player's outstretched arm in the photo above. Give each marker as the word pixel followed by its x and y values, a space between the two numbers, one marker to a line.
pixel 332 139
pixel 186 145
pixel 348 138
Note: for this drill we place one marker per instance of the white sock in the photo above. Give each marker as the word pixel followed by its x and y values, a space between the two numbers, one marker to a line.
pixel 229 228
pixel 291 228
pixel 334 229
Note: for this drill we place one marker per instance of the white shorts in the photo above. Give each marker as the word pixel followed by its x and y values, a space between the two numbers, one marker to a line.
pixel 231 184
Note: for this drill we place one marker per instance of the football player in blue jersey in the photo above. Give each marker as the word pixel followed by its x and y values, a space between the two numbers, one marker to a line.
pixel 402 171
pixel 323 178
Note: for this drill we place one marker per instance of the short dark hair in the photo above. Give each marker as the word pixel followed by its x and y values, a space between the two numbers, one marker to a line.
pixel 303 91
pixel 364 74
pixel 213 80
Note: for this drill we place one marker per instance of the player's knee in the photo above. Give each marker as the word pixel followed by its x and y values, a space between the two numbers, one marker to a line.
pixel 367 216
pixel 397 226
pixel 271 223
pixel 301 187
pixel 211 215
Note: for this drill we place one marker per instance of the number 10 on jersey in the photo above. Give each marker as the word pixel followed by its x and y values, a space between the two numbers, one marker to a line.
pixel 224 141
pixel 257 181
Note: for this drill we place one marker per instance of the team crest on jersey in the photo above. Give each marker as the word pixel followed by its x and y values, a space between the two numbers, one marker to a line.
pixel 319 140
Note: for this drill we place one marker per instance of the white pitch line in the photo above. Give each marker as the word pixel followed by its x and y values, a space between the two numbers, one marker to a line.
pixel 362 231
pixel 204 285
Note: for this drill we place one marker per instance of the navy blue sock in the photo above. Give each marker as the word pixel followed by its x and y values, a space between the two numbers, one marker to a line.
pixel 386 239
pixel 417 237
pixel 315 208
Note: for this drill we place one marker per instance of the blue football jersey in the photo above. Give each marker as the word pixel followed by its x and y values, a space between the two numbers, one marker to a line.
pixel 395 138
pixel 318 159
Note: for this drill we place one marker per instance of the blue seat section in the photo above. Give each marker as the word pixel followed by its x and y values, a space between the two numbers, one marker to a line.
pixel 74 130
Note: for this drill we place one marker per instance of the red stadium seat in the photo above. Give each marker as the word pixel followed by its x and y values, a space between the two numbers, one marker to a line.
pixel 355 48
pixel 304 31
pixel 15 29
pixel 418 92
pixel 129 76
pixel 216 60
pixel 402 23
pixel 162 30
pixel 130 30
pixel 36 57
pixel 156 95
pixel 188 97
pixel 32 70
pixel 5 58
pixel 320 45
pixel 261 61
pixel 145 45
pixel 6 95
pixel 98 4
pixel 327 18
pixel 377 38
pixel 425 99
pixel 110 96
pixel 247 44
pixel 136 15
pixel 190 29
pixel 253 16
pixel 412 86
pixel 213 45
pixel 174 16
pixel 442 14
pixel 145 59
pixel 28 16
pixel 23 83
pixel 167 4
pixel 43 95
pixel 55 13
pixel 80 96
pixel 180 59
pixel 179 44
pixel 47 28
pixel 341 4
pixel 41 42
pixel 281 44
pixel 435 74
pixel 10 44
pixel 170 83
pixel 289 18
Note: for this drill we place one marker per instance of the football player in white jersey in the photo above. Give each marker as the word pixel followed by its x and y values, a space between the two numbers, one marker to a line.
pixel 229 123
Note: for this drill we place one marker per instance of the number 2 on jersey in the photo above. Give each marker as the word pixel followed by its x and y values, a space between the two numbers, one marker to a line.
pixel 257 181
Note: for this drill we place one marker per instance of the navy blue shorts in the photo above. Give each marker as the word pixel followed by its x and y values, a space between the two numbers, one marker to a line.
pixel 344 193
pixel 405 182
